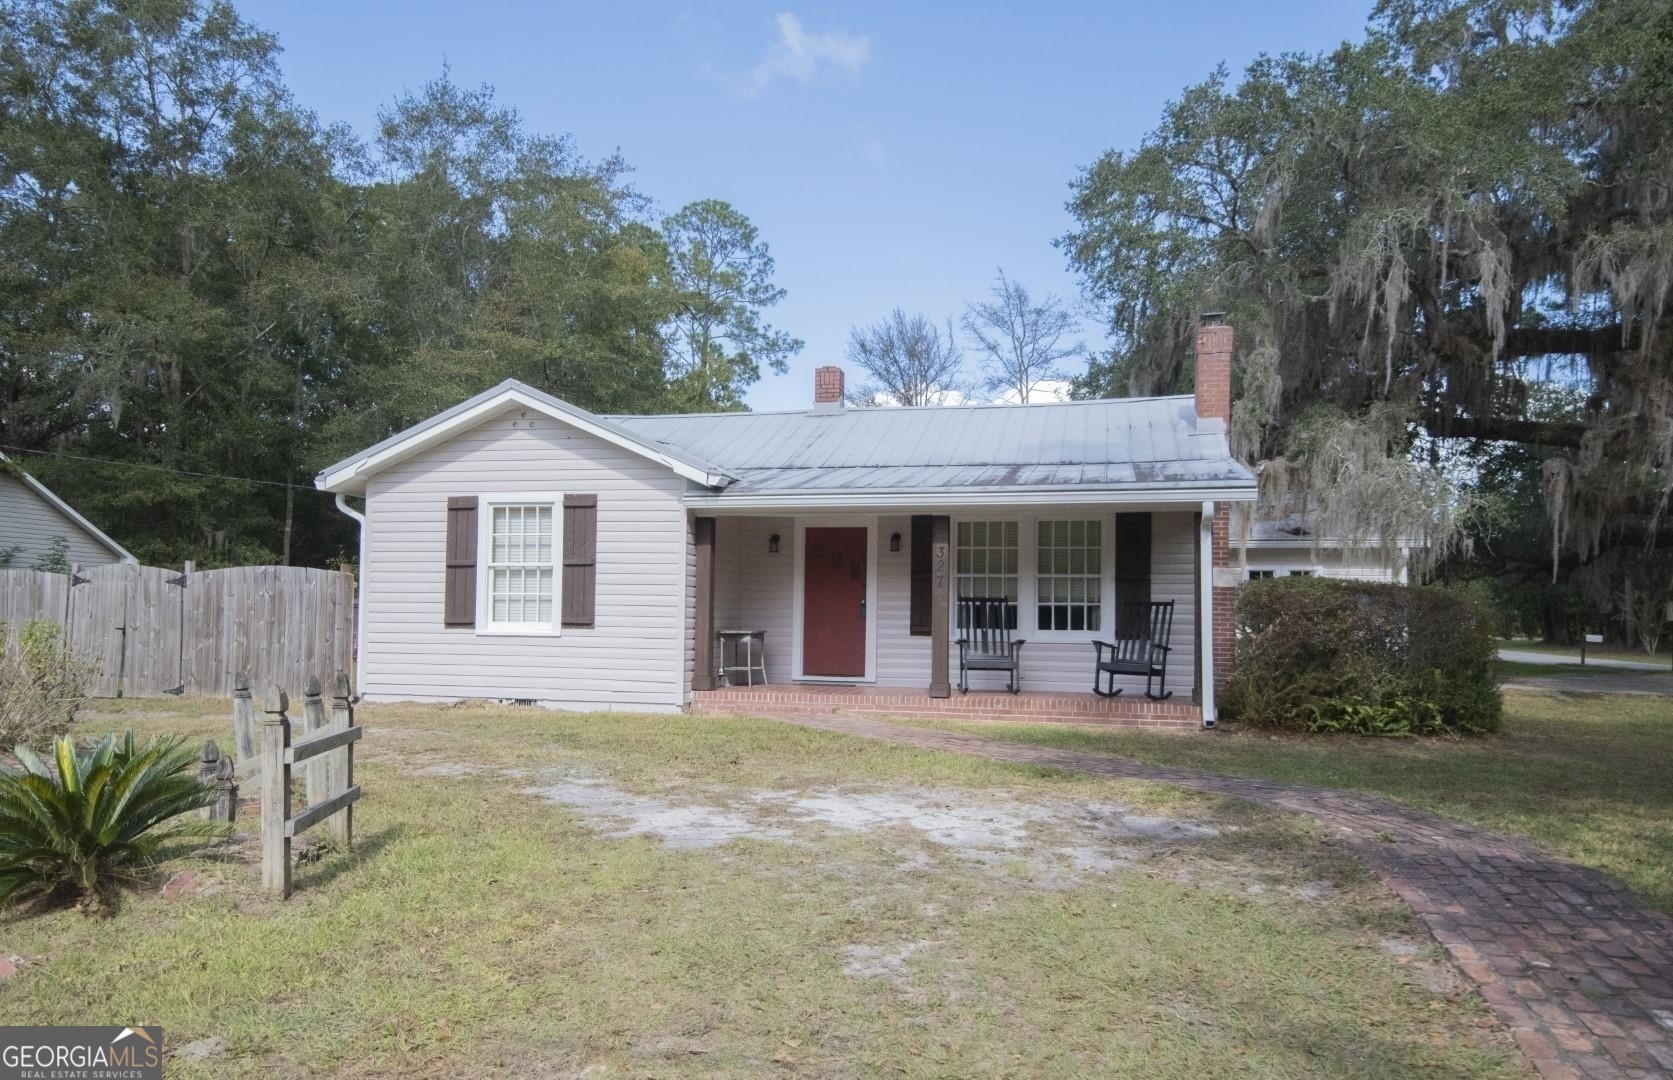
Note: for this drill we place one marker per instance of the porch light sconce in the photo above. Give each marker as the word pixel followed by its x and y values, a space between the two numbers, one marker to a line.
pixel 894 542
pixel 772 544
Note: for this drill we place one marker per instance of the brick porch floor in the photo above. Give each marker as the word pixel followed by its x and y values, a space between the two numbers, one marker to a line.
pixel 800 699
pixel 1577 968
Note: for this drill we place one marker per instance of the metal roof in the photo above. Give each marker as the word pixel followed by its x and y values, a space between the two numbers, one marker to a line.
pixel 1138 446
pixel 1106 444
pixel 1299 531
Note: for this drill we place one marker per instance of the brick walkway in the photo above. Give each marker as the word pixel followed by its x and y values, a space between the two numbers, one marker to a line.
pixel 1580 972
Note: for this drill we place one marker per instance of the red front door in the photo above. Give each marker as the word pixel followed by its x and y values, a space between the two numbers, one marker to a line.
pixel 834 603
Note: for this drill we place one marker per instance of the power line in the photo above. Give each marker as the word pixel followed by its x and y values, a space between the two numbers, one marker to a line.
pixel 157 468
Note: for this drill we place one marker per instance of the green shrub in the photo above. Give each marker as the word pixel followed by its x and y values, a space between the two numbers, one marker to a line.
pixel 41 685
pixel 95 820
pixel 1315 654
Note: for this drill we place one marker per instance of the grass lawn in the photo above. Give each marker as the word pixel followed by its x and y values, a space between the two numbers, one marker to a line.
pixel 546 894
pixel 1586 776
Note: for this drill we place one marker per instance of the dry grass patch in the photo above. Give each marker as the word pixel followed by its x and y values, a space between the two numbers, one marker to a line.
pixel 885 910
pixel 1583 775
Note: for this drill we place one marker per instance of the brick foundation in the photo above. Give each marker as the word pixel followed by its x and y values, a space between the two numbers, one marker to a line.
pixel 1037 708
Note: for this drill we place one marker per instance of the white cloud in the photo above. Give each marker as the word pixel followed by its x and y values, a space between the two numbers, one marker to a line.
pixel 800 55
pixel 1046 390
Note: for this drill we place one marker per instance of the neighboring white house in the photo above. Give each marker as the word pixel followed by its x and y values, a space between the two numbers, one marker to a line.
pixel 1288 547
pixel 517 547
pixel 31 516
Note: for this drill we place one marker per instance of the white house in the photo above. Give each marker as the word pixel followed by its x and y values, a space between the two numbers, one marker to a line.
pixel 1290 546
pixel 31 517
pixel 519 548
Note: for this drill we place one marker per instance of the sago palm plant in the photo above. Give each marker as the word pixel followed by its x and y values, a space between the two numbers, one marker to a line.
pixel 94 820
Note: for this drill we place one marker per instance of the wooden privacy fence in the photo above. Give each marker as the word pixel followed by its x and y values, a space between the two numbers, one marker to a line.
pixel 328 754
pixel 147 630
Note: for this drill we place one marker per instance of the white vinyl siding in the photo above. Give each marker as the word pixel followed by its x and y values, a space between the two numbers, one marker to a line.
pixel 29 522
pixel 630 659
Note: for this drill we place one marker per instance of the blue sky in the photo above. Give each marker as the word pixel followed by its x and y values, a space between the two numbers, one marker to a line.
pixel 891 154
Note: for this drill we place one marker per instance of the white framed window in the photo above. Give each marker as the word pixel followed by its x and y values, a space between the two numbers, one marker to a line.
pixel 989 556
pixel 1256 575
pixel 1056 570
pixel 1301 573
pixel 1069 575
pixel 518 580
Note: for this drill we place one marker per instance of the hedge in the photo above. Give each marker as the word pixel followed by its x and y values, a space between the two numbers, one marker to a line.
pixel 1317 654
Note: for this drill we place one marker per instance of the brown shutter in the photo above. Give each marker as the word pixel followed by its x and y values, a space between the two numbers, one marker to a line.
pixel 580 558
pixel 459 591
pixel 922 572
pixel 1132 572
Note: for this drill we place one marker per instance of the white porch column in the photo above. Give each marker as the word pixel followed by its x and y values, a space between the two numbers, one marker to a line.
pixel 1205 612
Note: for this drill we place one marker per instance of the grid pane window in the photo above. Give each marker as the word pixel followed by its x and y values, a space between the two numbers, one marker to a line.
pixel 520 569
pixel 988 562
pixel 1069 575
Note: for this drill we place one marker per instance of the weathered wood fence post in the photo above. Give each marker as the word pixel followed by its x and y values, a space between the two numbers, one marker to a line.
pixel 215 773
pixel 275 794
pixel 317 780
pixel 246 746
pixel 332 791
pixel 341 769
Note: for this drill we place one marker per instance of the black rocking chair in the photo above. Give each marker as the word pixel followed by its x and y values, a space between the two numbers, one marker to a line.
pixel 1141 648
pixel 986 644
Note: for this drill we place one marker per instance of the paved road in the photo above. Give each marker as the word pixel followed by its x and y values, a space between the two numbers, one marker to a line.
pixel 1572 963
pixel 1613 682
pixel 1525 656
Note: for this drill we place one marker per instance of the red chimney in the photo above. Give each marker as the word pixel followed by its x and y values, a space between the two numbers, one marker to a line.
pixel 1214 367
pixel 827 388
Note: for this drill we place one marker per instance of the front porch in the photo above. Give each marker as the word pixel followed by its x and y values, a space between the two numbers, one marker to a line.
pixel 857 612
pixel 1029 707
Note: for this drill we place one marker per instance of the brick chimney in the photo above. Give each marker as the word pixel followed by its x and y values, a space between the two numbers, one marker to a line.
pixel 1214 407
pixel 1214 367
pixel 827 388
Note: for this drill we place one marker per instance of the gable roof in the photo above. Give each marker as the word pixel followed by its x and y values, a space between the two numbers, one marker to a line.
pixel 1150 448
pixel 349 475
pixel 70 512
pixel 1129 444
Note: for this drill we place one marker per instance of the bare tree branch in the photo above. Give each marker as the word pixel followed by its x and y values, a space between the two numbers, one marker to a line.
pixel 908 360
pixel 1023 341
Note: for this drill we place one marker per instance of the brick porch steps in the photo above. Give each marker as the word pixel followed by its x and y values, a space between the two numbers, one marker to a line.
pixel 776 699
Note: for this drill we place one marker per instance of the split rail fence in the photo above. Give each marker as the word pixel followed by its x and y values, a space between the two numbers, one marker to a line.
pixel 326 756
pixel 146 630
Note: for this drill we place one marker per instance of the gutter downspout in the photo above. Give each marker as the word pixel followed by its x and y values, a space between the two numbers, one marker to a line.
pixel 359 593
pixel 1205 610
